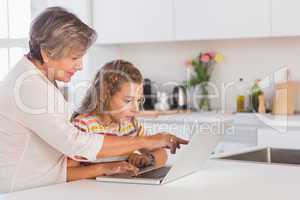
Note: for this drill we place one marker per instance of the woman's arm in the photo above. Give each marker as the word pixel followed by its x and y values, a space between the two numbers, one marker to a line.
pixel 56 130
pixel 101 169
pixel 116 145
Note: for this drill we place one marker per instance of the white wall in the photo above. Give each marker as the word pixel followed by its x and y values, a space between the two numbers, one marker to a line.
pixel 164 62
pixel 249 58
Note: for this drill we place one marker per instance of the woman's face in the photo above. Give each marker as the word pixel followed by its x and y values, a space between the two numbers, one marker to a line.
pixel 63 69
pixel 124 105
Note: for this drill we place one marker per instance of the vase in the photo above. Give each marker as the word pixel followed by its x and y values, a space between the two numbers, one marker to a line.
pixel 254 103
pixel 204 104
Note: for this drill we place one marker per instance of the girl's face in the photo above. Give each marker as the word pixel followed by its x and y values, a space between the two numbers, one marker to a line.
pixel 124 105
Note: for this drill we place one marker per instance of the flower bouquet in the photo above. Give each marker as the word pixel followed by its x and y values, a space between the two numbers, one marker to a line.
pixel 202 67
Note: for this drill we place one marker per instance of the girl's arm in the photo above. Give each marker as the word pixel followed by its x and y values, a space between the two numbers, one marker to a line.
pixel 144 158
pixel 160 156
pixel 101 169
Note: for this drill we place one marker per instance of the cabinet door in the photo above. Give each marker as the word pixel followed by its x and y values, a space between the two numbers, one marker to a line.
pixel 119 21
pixel 275 138
pixel 78 7
pixel 285 17
pixel 215 19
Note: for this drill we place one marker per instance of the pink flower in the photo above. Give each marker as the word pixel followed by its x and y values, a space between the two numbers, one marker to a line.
pixel 205 58
pixel 212 54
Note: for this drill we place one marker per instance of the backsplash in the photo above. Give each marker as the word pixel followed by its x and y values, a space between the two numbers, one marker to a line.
pixel 249 59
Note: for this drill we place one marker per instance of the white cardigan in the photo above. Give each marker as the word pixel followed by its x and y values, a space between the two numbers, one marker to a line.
pixel 35 133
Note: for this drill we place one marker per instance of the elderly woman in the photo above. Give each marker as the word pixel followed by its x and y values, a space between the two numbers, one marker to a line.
pixel 36 135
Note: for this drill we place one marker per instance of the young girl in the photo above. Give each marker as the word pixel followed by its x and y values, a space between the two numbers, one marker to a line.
pixel 109 108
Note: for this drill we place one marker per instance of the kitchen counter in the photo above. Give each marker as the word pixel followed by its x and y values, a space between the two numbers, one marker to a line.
pixel 190 117
pixel 217 180
pixel 292 121
pixel 240 129
pixel 251 119
pixel 185 124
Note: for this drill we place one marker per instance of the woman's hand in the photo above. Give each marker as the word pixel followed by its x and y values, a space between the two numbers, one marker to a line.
pixel 122 167
pixel 169 141
pixel 141 160
pixel 118 146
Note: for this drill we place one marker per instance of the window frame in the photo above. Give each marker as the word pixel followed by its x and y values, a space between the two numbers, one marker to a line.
pixel 7 43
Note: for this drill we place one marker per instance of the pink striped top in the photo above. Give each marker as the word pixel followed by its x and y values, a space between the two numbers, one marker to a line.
pixel 91 124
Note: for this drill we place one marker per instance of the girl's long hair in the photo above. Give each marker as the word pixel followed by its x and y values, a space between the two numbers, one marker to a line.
pixel 107 81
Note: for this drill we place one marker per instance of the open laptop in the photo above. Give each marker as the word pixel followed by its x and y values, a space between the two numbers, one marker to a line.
pixel 187 161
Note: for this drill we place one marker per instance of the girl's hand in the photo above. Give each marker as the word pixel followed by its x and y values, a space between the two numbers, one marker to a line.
pixel 141 160
pixel 122 167
pixel 169 141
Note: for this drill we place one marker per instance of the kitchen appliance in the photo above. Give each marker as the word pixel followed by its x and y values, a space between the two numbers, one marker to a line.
pixel 149 94
pixel 162 102
pixel 179 98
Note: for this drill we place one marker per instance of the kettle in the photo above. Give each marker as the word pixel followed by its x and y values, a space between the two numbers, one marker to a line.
pixel 179 98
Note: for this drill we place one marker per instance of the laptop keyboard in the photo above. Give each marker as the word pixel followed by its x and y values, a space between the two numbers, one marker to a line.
pixel 156 173
pixel 153 174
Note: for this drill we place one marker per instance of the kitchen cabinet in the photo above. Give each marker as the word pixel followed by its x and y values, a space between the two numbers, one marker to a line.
pixel 243 133
pixel 279 131
pixel 78 7
pixel 119 21
pixel 279 138
pixel 285 16
pixel 131 21
pixel 214 19
pixel 185 124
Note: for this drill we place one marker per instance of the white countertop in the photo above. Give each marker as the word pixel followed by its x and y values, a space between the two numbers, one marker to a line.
pixel 219 180
pixel 280 120
pixel 255 119
pixel 193 117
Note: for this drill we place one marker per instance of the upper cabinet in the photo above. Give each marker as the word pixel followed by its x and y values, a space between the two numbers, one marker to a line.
pixel 285 17
pixel 215 19
pixel 128 21
pixel 79 7
pixel 119 21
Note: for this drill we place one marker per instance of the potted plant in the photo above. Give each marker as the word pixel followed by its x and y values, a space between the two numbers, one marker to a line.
pixel 255 92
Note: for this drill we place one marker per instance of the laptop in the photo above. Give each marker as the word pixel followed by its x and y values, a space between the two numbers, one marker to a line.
pixel 187 161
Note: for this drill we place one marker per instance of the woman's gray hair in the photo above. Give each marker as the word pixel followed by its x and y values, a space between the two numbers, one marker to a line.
pixel 57 31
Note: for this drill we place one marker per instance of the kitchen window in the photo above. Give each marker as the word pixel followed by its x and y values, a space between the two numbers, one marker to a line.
pixel 15 18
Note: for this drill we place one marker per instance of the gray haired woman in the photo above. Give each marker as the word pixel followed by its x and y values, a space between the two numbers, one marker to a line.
pixel 36 135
